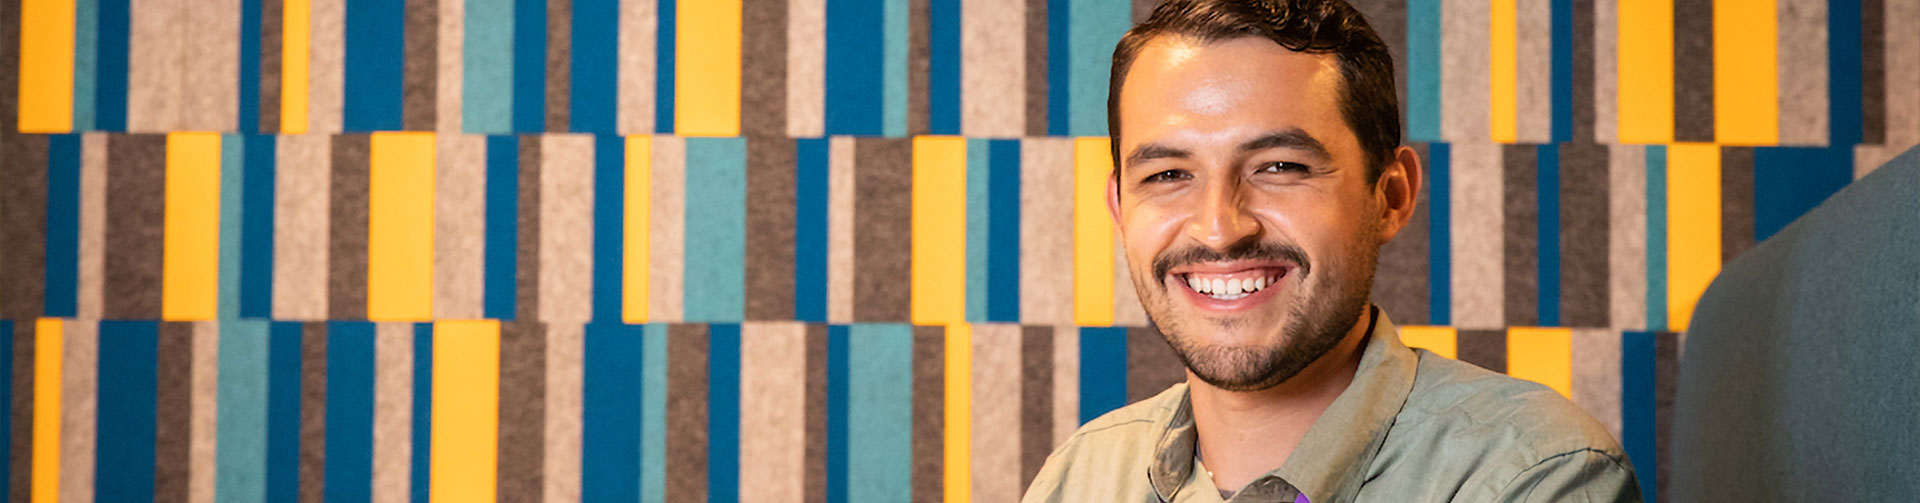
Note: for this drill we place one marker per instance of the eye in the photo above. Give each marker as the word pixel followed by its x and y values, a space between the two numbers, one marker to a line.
pixel 1166 176
pixel 1283 167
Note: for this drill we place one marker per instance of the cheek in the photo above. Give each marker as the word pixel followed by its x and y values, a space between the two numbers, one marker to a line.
pixel 1146 231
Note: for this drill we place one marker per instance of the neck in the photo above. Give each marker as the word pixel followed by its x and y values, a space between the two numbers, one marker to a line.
pixel 1245 434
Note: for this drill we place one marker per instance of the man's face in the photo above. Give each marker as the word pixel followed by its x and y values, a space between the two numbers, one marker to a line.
pixel 1250 226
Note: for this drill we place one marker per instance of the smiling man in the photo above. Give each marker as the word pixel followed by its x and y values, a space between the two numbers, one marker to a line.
pixel 1258 172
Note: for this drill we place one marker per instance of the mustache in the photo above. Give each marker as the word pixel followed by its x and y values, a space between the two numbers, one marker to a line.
pixel 1249 250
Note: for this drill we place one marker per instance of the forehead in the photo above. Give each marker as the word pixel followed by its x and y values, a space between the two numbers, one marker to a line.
pixel 1179 86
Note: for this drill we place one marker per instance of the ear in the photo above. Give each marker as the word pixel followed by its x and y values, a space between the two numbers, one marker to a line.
pixel 1113 198
pixel 1398 191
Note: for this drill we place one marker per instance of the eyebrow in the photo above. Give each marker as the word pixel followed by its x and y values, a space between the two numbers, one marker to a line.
pixel 1292 138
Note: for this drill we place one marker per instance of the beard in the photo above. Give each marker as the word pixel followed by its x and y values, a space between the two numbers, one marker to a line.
pixel 1333 297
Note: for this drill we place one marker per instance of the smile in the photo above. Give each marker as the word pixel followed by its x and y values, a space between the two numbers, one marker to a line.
pixel 1231 285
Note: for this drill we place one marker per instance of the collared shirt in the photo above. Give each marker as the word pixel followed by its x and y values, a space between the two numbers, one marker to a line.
pixel 1412 426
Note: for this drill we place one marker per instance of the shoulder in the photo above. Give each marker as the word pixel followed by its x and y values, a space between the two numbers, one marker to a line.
pixel 1119 445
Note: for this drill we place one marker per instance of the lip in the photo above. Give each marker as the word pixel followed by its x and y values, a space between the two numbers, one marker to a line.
pixel 1177 279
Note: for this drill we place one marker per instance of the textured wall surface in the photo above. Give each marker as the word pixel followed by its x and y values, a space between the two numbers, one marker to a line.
pixel 805 250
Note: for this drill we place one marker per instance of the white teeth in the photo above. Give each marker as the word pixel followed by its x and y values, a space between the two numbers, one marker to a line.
pixel 1259 283
pixel 1233 286
pixel 1219 286
pixel 1196 284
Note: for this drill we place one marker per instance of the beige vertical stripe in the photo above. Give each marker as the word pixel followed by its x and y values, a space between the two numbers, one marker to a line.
pixel 993 50
pixel 155 63
pixel 1803 72
pixel 210 48
pixel 1465 96
pixel 1903 76
pixel 1596 375
pixel 79 405
pixel 392 412
pixel 1627 236
pixel 460 226
pixel 840 230
pixel 300 227
pixel 93 224
pixel 1606 74
pixel 1046 231
pixel 773 428
pixel 666 226
pixel 203 419
pixel 326 70
pixel 1127 311
pixel 1478 264
pixel 638 32
pixel 450 58
pixel 1534 82
pixel 996 412
pixel 806 68
pixel 566 352
pixel 566 228
pixel 1066 383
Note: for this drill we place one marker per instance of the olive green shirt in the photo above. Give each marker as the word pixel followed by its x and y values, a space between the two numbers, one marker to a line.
pixel 1412 426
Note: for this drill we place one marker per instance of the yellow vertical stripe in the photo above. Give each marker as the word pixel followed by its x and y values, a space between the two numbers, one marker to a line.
pixel 1746 78
pixel 1504 40
pixel 46 66
pixel 1693 227
pixel 48 339
pixel 1443 341
pixel 466 393
pixel 190 263
pixel 400 227
pixel 1092 234
pixel 957 453
pixel 1646 71
pixel 296 35
pixel 636 259
pixel 1542 355
pixel 939 259
pixel 707 73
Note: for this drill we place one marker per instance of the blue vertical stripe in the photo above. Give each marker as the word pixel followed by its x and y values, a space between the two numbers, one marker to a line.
pixel 240 472
pixel 249 89
pixel 1548 178
pixel 420 469
pixel 503 225
pixel 811 199
pixel 943 67
pixel 978 169
pixel 1423 70
pixel 893 87
pixel 125 423
pixel 1439 235
pixel 110 72
pixel 1638 404
pixel 1656 237
pixel 837 413
pixel 1562 70
pixel 375 65
pixel 716 234
pixel 530 66
pixel 1097 25
pixel 880 407
pixel 653 415
pixel 63 226
pixel 349 415
pixel 855 64
pixel 723 413
pixel 232 240
pixel 663 82
pixel 86 57
pixel 283 412
pixel 1789 182
pixel 1003 236
pixel 487 68
pixel 1844 71
pixel 1059 50
pixel 256 226
pixel 610 435
pixel 609 226
pixel 594 92
pixel 1103 371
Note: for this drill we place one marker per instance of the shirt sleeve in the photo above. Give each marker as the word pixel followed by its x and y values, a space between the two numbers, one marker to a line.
pixel 1586 475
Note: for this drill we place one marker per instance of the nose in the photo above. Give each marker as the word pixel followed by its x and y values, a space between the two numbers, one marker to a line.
pixel 1222 220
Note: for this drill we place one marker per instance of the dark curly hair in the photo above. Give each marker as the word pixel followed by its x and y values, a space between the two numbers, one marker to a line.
pixel 1368 102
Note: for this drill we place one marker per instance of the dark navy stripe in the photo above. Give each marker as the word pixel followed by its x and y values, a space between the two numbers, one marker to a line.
pixel 837 342
pixel 723 414
pixel 1103 371
pixel 1844 72
pixel 503 225
pixel 375 66
pixel 663 68
pixel 856 43
pixel 610 416
pixel 1638 388
pixel 529 66
pixel 421 470
pixel 1439 235
pixel 283 412
pixel 1789 182
pixel 1059 38
pixel 126 421
pixel 609 220
pixel 595 67
pixel 810 232
pixel 1003 231
pixel 1548 250
pixel 256 225
pixel 349 453
pixel 63 226
pixel 110 84
pixel 1562 68
pixel 250 68
pixel 943 68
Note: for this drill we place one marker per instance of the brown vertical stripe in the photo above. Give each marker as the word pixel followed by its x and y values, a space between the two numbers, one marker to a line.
pixel 523 353
pixel 686 412
pixel 9 64
pixel 347 228
pixel 816 410
pixel 1693 70
pixel 1400 283
pixel 1521 228
pixel 1151 364
pixel 1037 68
pixel 418 98
pixel 883 209
pixel 1486 348
pixel 1036 400
pixel 1666 374
pixel 23 229
pixel 20 454
pixel 1736 202
pixel 1389 20
pixel 929 412
pixel 1141 9
pixel 271 12
pixel 136 205
pixel 770 224
pixel 559 54
pixel 763 72
pixel 919 64
pixel 1583 87
pixel 313 412
pixel 1873 72
pixel 1584 231
pixel 527 255
pixel 173 413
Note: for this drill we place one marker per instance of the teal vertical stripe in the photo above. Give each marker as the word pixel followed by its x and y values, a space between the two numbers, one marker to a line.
pixel 1095 26
pixel 977 169
pixel 893 118
pixel 86 55
pixel 232 176
pixel 1423 70
pixel 487 80
pixel 653 415
pixel 880 407
pixel 716 229
pixel 240 457
pixel 1656 238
